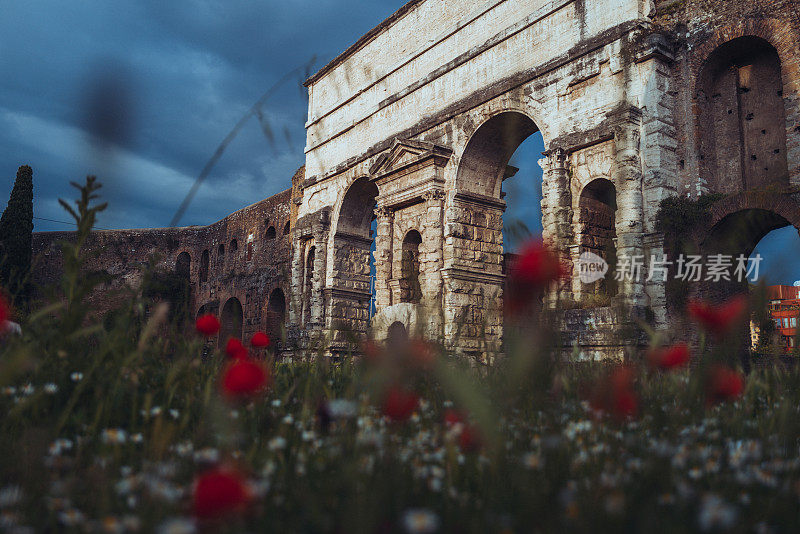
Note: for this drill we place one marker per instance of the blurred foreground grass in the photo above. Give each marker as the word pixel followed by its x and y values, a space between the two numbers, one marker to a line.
pixel 106 426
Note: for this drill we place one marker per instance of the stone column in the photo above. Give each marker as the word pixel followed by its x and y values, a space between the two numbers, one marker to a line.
pixel 320 231
pixel 627 177
pixel 432 262
pixel 557 214
pixel 296 283
pixel 383 256
pixel 432 257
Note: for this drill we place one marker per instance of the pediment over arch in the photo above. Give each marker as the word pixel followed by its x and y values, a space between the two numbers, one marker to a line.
pixel 406 153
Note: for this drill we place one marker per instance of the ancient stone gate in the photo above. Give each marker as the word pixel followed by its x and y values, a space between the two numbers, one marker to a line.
pixel 410 131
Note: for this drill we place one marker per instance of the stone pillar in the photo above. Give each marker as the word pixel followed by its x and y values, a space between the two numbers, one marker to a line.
pixel 432 257
pixel 296 283
pixel 320 231
pixel 627 177
pixel 557 214
pixel 432 263
pixel 383 256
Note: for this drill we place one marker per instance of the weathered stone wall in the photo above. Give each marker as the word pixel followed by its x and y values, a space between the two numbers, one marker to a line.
pixel 247 255
pixel 433 102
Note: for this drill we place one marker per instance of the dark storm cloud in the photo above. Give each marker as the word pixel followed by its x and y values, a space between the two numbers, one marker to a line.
pixel 163 83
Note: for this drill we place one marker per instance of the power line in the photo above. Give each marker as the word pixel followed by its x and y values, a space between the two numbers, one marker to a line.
pixel 67 223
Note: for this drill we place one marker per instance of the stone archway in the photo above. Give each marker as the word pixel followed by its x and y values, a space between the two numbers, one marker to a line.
pixel 737 224
pixel 597 232
pixel 479 277
pixel 231 321
pixel 350 291
pixel 275 316
pixel 741 121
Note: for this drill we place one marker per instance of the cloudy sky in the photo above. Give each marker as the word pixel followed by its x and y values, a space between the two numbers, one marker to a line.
pixel 165 82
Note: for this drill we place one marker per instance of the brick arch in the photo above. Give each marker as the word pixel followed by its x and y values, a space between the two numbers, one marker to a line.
pixel 777 203
pixel 765 33
pixel 780 35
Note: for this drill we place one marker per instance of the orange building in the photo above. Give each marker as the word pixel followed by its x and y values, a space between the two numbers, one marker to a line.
pixel 784 307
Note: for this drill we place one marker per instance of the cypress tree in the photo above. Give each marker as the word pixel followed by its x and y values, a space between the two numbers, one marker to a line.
pixel 16 236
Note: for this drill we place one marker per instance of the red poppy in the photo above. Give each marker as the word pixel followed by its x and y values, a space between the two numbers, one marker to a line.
pixel 207 324
pixel 244 378
pixel 452 417
pixel 534 268
pixel 399 403
pixel 259 340
pixel 669 357
pixel 470 439
pixel 5 312
pixel 616 394
pixel 723 384
pixel 235 349
pixel 718 319
pixel 219 492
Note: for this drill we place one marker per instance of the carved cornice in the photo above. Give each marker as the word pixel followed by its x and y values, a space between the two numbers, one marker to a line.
pixel 485 201
pixel 349 294
pixel 457 273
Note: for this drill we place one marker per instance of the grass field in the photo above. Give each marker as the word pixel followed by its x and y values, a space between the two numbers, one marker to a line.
pixel 119 424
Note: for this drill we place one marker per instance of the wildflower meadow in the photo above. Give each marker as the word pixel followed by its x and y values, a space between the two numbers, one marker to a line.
pixel 132 423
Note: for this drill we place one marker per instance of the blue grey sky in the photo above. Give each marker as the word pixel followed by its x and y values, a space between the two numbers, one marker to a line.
pixel 181 74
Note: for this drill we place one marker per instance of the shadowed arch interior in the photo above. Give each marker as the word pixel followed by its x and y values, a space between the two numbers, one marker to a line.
pixel 598 206
pixel 357 209
pixel 231 321
pixel 742 119
pixel 276 314
pixel 410 289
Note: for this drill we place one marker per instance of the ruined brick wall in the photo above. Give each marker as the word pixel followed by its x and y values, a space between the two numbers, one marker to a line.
pixel 243 257
pixel 725 91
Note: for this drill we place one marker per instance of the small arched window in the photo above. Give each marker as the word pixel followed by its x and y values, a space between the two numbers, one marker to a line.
pixel 270 233
pixel 221 250
pixel 234 246
pixel 411 290
pixel 286 228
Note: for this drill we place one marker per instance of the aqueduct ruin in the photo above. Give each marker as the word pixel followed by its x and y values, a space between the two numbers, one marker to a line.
pixel 409 135
pixel 635 100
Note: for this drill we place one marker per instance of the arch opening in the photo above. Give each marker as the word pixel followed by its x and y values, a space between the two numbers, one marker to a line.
pixel 742 119
pixel 410 289
pixel 231 321
pixel 286 228
pixel 508 145
pixel 598 206
pixel 270 233
pixel 396 335
pixel 354 243
pixel 276 315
